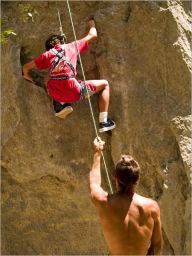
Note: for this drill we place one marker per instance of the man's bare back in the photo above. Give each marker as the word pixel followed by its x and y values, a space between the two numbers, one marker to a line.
pixel 131 223
pixel 127 223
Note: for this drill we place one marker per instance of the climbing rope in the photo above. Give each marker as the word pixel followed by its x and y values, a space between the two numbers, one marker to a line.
pixel 59 16
pixel 83 73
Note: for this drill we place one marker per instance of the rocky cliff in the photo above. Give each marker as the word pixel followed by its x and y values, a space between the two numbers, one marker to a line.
pixel 143 50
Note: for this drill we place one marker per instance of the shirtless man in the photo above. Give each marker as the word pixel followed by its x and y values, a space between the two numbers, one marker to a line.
pixel 131 223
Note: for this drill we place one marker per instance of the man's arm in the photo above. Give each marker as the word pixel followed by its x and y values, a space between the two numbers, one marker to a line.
pixel 156 239
pixel 98 195
pixel 92 34
pixel 26 69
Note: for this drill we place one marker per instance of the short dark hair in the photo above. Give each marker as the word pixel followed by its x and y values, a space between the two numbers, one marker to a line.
pixel 53 40
pixel 127 172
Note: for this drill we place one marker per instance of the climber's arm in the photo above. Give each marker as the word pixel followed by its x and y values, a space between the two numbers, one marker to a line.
pixel 26 68
pixel 92 34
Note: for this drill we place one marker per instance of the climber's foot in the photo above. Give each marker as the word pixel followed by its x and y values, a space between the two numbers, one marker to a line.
pixel 62 110
pixel 109 125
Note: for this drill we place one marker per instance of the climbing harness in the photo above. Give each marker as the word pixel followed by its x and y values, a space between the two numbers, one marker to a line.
pixel 59 55
pixel 61 77
pixel 83 73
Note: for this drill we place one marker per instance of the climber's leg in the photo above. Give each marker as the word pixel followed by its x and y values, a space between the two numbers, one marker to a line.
pixel 101 87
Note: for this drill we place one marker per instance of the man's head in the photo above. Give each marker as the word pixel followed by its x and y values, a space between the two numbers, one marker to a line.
pixel 127 173
pixel 53 40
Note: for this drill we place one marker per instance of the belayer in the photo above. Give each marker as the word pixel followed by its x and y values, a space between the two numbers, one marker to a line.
pixel 131 223
pixel 61 60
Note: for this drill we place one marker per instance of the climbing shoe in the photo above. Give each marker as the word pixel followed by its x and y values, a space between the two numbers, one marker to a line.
pixel 109 125
pixel 62 110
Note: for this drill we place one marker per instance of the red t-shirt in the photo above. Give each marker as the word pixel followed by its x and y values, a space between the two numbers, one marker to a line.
pixel 62 90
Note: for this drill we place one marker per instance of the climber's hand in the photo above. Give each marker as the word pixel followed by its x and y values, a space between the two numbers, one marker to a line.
pixel 26 69
pixel 91 24
pixel 28 78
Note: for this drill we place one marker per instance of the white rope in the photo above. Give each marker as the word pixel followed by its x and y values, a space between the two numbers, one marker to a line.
pixel 60 24
pixel 90 105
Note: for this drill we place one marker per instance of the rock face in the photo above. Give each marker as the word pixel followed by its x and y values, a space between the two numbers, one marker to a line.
pixel 143 50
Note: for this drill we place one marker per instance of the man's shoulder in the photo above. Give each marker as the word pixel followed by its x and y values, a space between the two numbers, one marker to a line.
pixel 146 202
pixel 71 46
pixel 79 42
pixel 73 43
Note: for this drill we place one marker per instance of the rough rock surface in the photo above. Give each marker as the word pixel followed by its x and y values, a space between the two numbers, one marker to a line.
pixel 143 50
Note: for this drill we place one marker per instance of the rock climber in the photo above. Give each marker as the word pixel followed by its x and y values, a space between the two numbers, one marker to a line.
pixel 130 222
pixel 61 60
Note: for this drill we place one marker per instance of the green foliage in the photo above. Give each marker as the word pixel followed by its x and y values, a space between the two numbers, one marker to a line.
pixel 5 33
pixel 26 12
